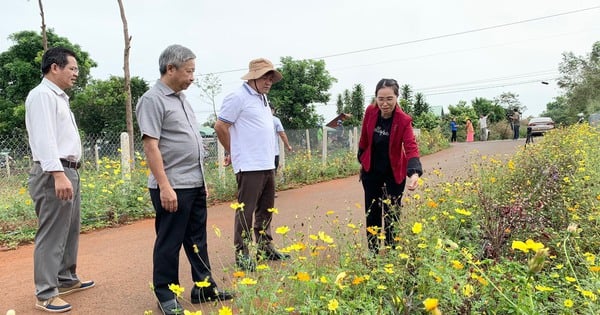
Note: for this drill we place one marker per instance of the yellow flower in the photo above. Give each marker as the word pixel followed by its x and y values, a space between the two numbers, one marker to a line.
pixel 195 248
pixel 239 274
pixel 303 276
pixel 22 190
pixel 381 287
pixel 203 284
pixel 467 290
pixel 387 201
pixel 217 231
pixel 432 204
pixel 464 212
pixel 175 288
pixel 140 198
pixel 325 238
pixel 186 312
pixel 262 267
pixel 457 265
pixel 372 230
pixel 430 304
pixel 248 281
pixel 595 268
pixel 358 280
pixel 417 196
pixel 330 212
pixel 351 225
pixel 282 230
pixel 417 228
pixel 527 245
pixel 568 303
pixel 237 206
pixel 333 305
pixel 543 288
pixel 323 279
pixel 273 210
pixel 289 309
pixel 340 279
pixel 403 256
pixel 225 310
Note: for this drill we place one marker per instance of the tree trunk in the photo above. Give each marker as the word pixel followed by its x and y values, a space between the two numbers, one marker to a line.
pixel 44 37
pixel 127 80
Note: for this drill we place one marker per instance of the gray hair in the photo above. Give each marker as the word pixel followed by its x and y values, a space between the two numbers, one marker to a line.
pixel 175 55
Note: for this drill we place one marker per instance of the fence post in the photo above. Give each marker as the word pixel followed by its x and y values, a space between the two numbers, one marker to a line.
pixel 97 157
pixel 355 143
pixel 281 152
pixel 125 156
pixel 324 155
pixel 220 158
pixel 7 163
pixel 308 144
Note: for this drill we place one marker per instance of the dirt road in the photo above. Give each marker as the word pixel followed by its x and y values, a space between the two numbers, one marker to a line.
pixel 120 259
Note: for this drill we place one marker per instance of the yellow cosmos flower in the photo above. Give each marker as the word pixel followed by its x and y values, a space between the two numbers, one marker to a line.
pixel 432 204
pixel 430 304
pixel 372 230
pixel 323 279
pixel 543 288
pixel 339 280
pixel 239 274
pixel 273 210
pixel 568 303
pixel 186 312
pixel 195 248
pixel 527 245
pixel 358 280
pixel 595 268
pixel 464 212
pixel 467 290
pixel 330 212
pixel 303 276
pixel 289 309
pixel 175 288
pixel 263 267
pixel 381 287
pixel 248 281
pixel 325 238
pixel 457 265
pixel 403 256
pixel 417 228
pixel 283 230
pixel 203 284
pixel 225 310
pixel 333 305
pixel 237 206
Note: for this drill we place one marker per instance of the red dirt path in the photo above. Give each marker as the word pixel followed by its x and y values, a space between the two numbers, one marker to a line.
pixel 119 259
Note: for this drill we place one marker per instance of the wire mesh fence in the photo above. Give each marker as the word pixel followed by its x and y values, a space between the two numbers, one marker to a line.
pixel 16 160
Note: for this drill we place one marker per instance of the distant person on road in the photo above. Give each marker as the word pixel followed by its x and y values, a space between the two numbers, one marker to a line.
pixel 453 129
pixel 389 158
pixel 245 129
pixel 483 128
pixel 470 131
pixel 515 119
pixel 54 183
pixel 174 151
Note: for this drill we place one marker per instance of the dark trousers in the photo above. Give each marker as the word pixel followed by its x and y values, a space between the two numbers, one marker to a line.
pixel 379 188
pixel 515 131
pixel 256 189
pixel 453 138
pixel 187 227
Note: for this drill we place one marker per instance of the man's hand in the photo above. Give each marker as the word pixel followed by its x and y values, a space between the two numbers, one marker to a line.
pixel 227 160
pixel 62 186
pixel 168 199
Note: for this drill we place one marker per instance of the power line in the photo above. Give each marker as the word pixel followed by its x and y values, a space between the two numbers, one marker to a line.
pixel 434 37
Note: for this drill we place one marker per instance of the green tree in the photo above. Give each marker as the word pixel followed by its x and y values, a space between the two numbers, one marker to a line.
pixel 580 79
pixel 406 101
pixel 20 72
pixel 100 107
pixel 420 106
pixel 559 110
pixel 304 83
pixel 339 105
pixel 356 107
pixel 509 101
pixel 483 106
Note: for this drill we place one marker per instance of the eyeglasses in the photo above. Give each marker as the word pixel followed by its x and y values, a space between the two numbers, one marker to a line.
pixel 74 69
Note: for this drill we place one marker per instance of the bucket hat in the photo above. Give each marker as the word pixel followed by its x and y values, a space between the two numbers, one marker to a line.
pixel 258 67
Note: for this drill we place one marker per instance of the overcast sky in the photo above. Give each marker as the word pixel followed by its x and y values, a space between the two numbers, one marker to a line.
pixel 448 50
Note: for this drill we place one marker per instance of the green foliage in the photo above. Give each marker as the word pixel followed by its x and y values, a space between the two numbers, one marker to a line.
pixel 353 104
pixel 100 108
pixel 426 121
pixel 304 83
pixel 20 71
pixel 420 107
pixel 580 80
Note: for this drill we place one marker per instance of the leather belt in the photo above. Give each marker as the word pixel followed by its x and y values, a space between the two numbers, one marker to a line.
pixel 70 164
pixel 67 163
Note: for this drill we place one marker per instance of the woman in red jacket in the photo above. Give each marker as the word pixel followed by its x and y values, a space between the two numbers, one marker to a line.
pixel 389 159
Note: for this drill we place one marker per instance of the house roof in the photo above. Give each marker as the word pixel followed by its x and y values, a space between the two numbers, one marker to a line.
pixel 333 123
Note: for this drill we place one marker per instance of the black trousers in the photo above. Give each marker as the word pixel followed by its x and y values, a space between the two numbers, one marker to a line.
pixel 185 227
pixel 379 188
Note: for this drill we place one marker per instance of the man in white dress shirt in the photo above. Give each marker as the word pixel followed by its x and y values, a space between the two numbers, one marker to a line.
pixel 56 150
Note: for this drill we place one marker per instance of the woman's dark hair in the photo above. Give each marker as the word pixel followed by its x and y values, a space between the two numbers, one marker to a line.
pixel 383 83
pixel 57 55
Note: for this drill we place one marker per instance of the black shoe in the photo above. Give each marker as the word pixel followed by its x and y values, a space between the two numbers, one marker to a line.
pixel 170 307
pixel 245 263
pixel 270 253
pixel 202 295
